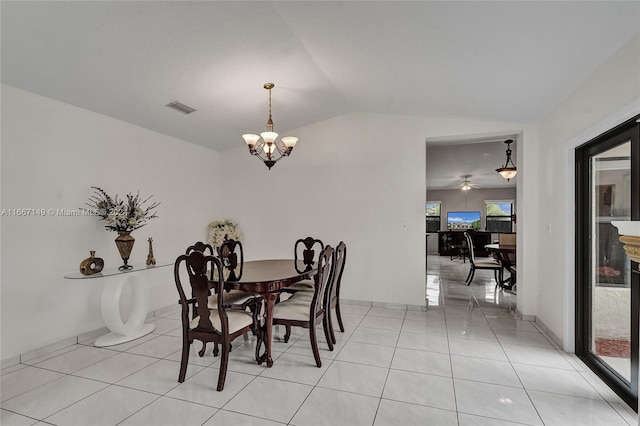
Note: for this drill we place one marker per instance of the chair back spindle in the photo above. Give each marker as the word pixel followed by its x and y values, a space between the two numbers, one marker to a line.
pixel 325 267
pixel 231 255
pixel 305 250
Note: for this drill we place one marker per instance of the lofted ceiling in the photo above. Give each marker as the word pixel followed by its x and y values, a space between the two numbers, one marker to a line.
pixel 502 61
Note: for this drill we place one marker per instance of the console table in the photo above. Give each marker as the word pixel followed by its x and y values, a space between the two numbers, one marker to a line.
pixel 134 327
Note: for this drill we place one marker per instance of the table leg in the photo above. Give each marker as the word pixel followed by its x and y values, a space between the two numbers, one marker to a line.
pixel 503 283
pixel 270 302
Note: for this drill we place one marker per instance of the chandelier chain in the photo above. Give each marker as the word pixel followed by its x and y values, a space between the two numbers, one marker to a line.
pixel 270 120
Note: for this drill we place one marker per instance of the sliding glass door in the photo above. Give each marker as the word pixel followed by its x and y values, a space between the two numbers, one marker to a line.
pixel 608 189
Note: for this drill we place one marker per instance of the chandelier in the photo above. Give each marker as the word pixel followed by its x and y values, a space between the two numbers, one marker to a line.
pixel 269 149
pixel 508 171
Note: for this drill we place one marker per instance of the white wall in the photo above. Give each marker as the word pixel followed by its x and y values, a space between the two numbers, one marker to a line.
pixel 530 274
pixel 338 185
pixel 607 98
pixel 358 178
pixel 52 153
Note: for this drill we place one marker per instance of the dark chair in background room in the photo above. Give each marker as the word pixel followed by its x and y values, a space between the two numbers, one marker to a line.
pixel 488 264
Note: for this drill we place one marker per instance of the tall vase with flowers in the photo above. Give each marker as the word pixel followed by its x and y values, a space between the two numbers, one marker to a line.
pixel 122 216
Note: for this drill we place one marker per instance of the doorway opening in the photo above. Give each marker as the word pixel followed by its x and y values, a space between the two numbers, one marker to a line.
pixel 461 177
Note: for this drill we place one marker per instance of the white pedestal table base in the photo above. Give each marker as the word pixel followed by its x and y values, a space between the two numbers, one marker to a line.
pixel 134 327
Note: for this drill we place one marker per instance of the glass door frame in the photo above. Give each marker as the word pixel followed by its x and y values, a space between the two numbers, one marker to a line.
pixel 627 131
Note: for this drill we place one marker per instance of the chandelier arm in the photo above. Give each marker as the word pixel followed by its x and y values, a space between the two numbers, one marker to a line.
pixel 282 149
pixel 258 148
pixel 262 157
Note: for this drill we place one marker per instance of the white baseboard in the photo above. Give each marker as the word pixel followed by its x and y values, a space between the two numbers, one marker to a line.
pixel 355 302
pixel 558 341
pixel 40 354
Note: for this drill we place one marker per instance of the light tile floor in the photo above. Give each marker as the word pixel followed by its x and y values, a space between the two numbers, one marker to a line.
pixel 467 360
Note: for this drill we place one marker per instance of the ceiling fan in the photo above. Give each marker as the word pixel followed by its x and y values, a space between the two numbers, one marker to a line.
pixel 466 183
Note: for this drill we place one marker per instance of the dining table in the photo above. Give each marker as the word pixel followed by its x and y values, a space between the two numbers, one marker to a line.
pixel 268 278
pixel 502 252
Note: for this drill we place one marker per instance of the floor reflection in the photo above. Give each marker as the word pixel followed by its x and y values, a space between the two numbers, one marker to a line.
pixel 445 286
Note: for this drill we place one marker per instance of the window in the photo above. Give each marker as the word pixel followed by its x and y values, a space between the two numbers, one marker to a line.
pixel 433 216
pixel 499 215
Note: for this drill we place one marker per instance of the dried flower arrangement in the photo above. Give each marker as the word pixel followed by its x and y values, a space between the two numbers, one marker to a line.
pixel 121 215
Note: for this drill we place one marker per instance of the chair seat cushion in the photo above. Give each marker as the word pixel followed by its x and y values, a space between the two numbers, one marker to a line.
pixel 304 285
pixel 301 297
pixel 297 311
pixel 233 297
pixel 237 320
pixel 488 263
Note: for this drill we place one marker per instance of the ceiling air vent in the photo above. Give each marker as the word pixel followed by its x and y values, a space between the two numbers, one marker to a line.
pixel 181 107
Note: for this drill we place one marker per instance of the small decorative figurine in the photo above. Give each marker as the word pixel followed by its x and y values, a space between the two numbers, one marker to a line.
pixel 91 265
pixel 150 259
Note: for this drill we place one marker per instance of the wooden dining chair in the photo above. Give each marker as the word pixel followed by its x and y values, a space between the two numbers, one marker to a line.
pixel 231 255
pixel 333 293
pixel 332 299
pixel 219 325
pixel 234 299
pixel 228 253
pixel 488 264
pixel 201 247
pixel 305 250
pixel 299 311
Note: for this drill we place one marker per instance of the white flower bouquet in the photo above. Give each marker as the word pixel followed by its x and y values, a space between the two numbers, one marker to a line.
pixel 221 229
